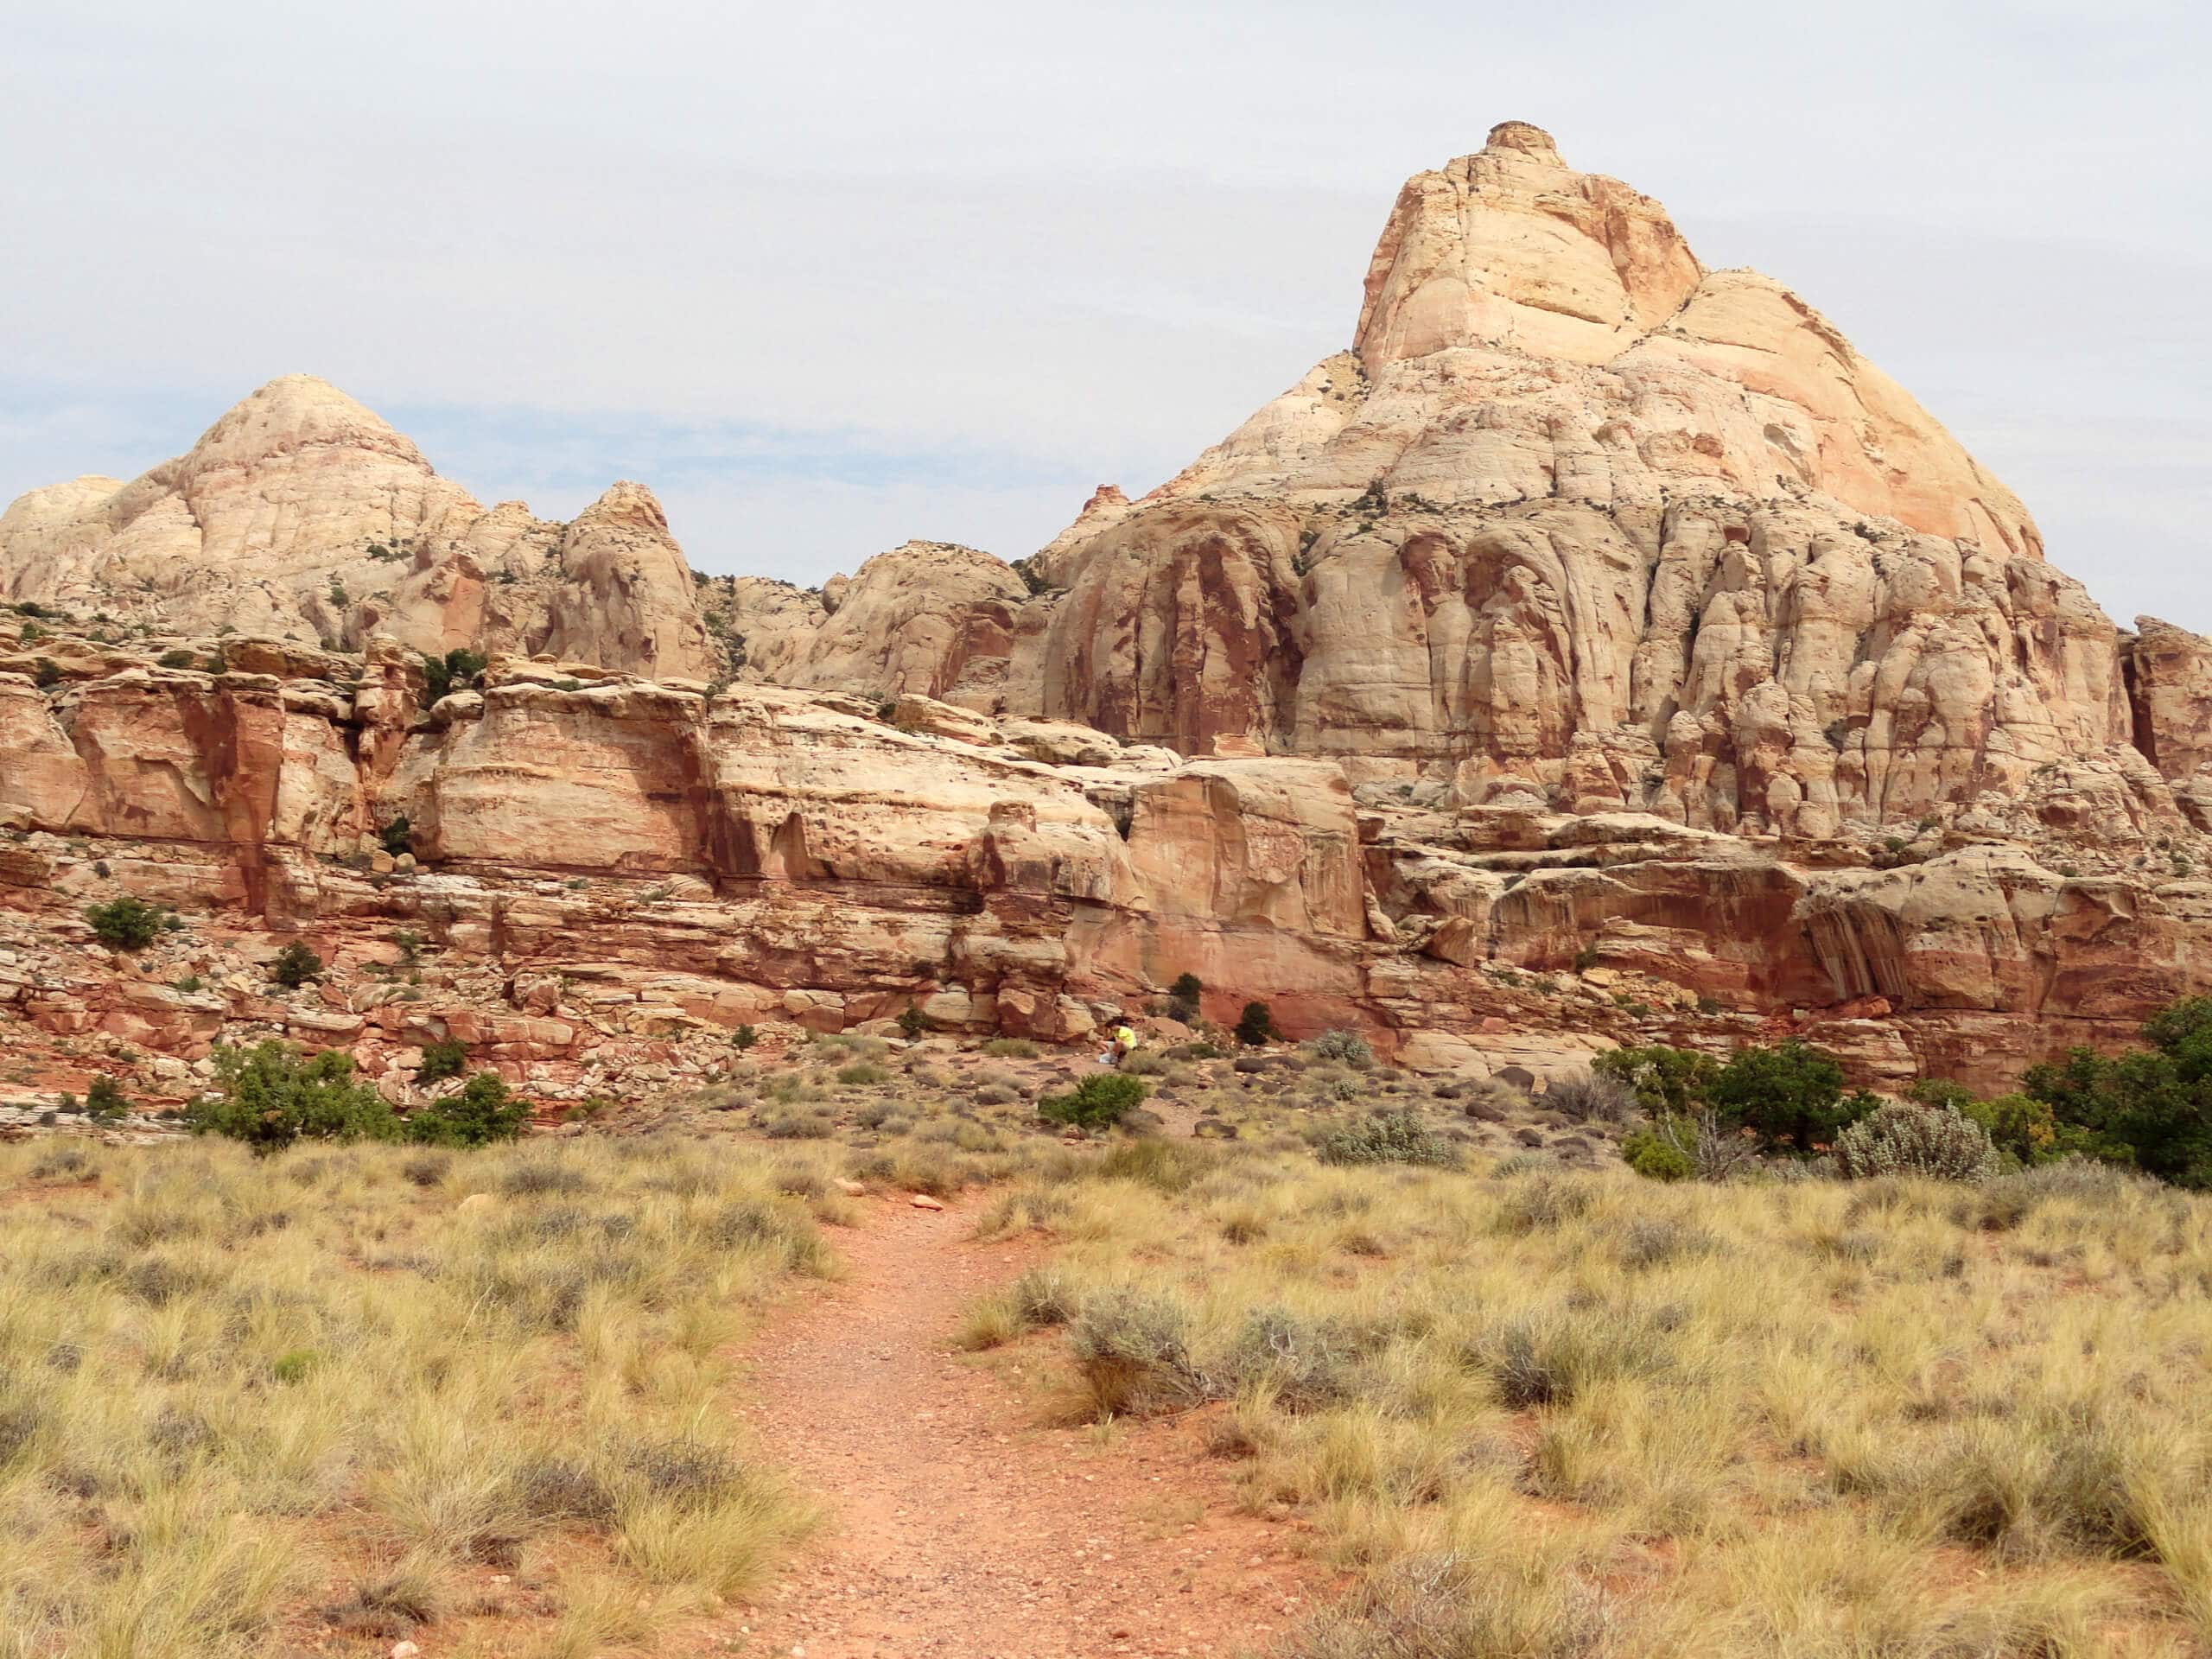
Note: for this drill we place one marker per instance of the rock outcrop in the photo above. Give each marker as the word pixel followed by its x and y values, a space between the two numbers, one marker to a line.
pixel 302 515
pixel 1577 517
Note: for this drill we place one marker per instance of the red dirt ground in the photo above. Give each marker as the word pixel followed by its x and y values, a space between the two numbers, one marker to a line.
pixel 964 1524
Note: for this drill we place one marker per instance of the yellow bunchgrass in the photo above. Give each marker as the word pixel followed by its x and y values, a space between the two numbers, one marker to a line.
pixel 227 1383
pixel 1542 1412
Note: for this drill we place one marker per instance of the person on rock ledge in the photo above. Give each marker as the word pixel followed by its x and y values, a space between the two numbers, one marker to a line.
pixel 1124 1045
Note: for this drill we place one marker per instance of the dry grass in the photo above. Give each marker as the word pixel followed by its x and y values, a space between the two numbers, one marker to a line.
pixel 1554 1412
pixel 249 1406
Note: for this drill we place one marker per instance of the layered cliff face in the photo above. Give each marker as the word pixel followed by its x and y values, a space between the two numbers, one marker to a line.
pixel 302 515
pixel 616 871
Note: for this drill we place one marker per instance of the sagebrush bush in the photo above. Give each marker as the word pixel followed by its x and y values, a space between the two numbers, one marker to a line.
pixel 1133 1348
pixel 1349 1046
pixel 1932 1142
pixel 1588 1099
pixel 1395 1136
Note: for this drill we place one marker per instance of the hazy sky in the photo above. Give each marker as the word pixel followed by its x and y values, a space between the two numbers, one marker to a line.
pixel 831 275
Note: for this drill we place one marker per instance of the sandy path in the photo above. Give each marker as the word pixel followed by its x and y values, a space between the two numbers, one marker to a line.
pixel 962 1526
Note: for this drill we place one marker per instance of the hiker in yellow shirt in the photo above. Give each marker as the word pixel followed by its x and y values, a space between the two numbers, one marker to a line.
pixel 1125 1044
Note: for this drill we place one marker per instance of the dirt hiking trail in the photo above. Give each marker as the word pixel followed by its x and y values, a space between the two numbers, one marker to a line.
pixel 962 1523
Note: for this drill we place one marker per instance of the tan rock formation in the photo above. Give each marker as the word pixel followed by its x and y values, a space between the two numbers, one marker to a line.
pixel 300 514
pixel 1576 517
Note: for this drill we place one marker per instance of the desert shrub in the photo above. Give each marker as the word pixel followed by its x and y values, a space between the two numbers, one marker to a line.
pixel 47 672
pixel 294 966
pixel 1656 1154
pixel 125 923
pixel 1304 1363
pixel 1098 1102
pixel 911 1022
pixel 270 1097
pixel 808 1123
pixel 743 1038
pixel 176 659
pixel 459 670
pixel 1665 1081
pixel 864 1075
pixel 1348 1046
pixel 104 1101
pixel 1011 1048
pixel 2150 1106
pixel 1932 1142
pixel 1791 1094
pixel 427 1168
pixel 484 1112
pixel 1183 998
pixel 1399 1136
pixel 1132 1348
pixel 2024 1128
pixel 395 837
pixel 1255 1027
pixel 1589 1098
pixel 1699 1146
pixel 441 1060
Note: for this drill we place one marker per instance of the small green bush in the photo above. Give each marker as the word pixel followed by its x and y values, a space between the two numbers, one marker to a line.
pixel 441 1060
pixel 104 1101
pixel 270 1097
pixel 743 1038
pixel 1255 1027
pixel 1388 1137
pixel 395 837
pixel 911 1023
pixel 484 1112
pixel 1098 1102
pixel 1011 1048
pixel 125 923
pixel 177 660
pixel 47 673
pixel 459 670
pixel 294 966
pixel 1657 1156
pixel 864 1075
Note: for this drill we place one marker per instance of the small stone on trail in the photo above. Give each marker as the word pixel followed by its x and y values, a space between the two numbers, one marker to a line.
pixel 851 1189
pixel 923 1201
pixel 404 1650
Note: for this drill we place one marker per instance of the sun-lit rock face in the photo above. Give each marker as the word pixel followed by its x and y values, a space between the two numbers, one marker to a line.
pixel 1575 515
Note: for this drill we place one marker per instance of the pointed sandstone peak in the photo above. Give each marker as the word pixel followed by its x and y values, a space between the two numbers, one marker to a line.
pixel 296 413
pixel 1510 248
pixel 628 504
pixel 1531 141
